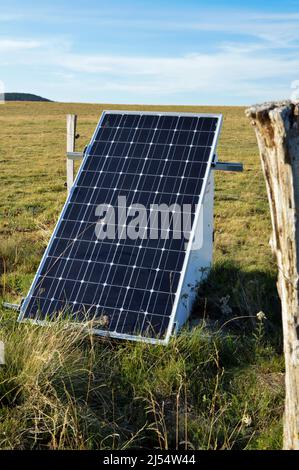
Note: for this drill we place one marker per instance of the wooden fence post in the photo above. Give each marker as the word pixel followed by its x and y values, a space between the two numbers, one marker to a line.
pixel 71 122
pixel 277 131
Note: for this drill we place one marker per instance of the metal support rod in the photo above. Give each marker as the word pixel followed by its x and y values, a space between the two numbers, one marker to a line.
pixel 227 166
pixel 12 306
pixel 75 155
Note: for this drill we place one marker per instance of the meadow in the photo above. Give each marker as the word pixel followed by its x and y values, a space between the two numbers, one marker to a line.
pixel 218 385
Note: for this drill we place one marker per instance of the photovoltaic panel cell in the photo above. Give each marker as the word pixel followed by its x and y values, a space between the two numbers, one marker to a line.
pixel 130 286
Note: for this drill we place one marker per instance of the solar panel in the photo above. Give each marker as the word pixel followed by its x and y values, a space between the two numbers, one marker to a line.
pixel 92 268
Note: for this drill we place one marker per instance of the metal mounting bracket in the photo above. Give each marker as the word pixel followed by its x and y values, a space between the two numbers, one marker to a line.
pixel 74 155
pixel 226 166
pixel 12 306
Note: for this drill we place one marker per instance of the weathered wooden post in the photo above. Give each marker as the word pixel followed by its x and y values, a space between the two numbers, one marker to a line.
pixel 277 131
pixel 71 122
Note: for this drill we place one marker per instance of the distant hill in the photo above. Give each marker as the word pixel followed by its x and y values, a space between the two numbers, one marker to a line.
pixel 23 97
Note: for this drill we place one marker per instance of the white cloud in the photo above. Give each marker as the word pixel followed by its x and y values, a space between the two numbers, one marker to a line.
pixel 261 68
pixel 8 45
pixel 278 29
pixel 236 69
pixel 229 68
pixel 243 20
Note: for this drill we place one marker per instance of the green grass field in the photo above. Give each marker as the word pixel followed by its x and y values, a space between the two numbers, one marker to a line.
pixel 218 385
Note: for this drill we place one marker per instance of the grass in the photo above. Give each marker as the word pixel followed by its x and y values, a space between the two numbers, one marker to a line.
pixel 218 385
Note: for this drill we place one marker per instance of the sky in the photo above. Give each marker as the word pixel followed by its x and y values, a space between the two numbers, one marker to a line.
pixel 188 52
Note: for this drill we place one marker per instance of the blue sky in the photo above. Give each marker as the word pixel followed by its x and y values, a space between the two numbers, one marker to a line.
pixel 151 52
